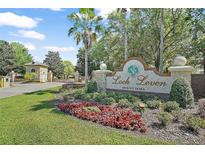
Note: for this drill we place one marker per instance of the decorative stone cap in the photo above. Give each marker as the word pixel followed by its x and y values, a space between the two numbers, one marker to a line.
pixel 180 69
pixel 179 61
pixel 103 66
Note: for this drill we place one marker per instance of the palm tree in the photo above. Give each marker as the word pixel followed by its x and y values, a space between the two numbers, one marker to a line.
pixel 86 25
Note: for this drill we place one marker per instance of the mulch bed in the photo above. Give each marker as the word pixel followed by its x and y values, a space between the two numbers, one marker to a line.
pixel 175 132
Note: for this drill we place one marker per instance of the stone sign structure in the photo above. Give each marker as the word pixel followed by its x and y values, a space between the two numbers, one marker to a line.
pixel 5 81
pixel 135 76
pixel 50 76
pixel 40 69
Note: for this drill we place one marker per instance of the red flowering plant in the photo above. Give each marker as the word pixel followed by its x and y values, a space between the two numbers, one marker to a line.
pixel 105 114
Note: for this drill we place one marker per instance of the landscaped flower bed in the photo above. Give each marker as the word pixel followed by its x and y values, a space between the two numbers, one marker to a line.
pixel 105 115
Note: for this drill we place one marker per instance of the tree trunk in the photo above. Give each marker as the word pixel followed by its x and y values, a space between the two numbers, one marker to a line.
pixel 204 61
pixel 86 67
pixel 125 41
pixel 161 41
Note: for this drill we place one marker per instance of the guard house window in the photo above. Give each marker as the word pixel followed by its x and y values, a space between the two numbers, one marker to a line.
pixel 33 70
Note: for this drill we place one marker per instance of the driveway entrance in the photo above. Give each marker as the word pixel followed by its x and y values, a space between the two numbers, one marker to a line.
pixel 19 88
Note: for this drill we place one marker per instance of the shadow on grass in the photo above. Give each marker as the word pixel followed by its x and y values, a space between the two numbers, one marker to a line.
pixel 50 104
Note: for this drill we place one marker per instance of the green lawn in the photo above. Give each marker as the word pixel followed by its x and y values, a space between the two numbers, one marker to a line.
pixel 32 119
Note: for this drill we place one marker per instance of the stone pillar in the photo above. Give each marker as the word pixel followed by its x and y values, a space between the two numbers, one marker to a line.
pixel 100 77
pixel 77 76
pixel 179 70
pixel 7 81
pixel 1 82
pixel 50 76
pixel 12 77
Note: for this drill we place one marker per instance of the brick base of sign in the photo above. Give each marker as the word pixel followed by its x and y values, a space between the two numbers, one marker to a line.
pixel 136 93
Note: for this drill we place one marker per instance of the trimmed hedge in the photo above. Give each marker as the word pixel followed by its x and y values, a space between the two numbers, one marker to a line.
pixel 181 92
pixel 92 87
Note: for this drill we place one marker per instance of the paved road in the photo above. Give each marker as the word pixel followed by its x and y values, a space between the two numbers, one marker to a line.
pixel 18 88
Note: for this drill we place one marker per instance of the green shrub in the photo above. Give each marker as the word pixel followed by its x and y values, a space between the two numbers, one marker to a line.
pixel 192 123
pixel 181 92
pixel 119 96
pixel 30 76
pixel 91 109
pixel 153 104
pixel 87 97
pixel 79 93
pixel 124 103
pixel 91 87
pixel 177 115
pixel 108 101
pixel 96 97
pixel 139 107
pixel 147 97
pixel 165 118
pixel 171 106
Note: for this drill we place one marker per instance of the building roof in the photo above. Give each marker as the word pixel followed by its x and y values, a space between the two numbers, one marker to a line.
pixel 36 64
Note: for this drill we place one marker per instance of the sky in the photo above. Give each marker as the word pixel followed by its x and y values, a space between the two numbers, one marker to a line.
pixel 41 30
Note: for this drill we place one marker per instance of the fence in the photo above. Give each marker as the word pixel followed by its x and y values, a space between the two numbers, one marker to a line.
pixel 198 85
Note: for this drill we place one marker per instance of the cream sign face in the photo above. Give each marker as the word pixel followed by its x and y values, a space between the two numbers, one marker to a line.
pixel 135 76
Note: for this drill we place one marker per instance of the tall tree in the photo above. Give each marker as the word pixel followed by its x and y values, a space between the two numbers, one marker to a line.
pixel 119 24
pixel 7 58
pixel 54 62
pixel 93 64
pixel 68 68
pixel 183 33
pixel 86 25
pixel 161 48
pixel 196 20
pixel 22 56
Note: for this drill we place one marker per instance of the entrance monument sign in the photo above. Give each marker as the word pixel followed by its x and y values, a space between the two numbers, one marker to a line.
pixel 134 75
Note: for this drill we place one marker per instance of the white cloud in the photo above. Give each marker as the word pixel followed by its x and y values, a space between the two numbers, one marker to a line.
pixel 104 11
pixel 29 46
pixel 60 49
pixel 38 19
pixel 29 34
pixel 56 9
pixel 11 19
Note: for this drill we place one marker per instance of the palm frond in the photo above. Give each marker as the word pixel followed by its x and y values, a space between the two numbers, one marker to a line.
pixel 72 30
pixel 78 37
pixel 93 37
